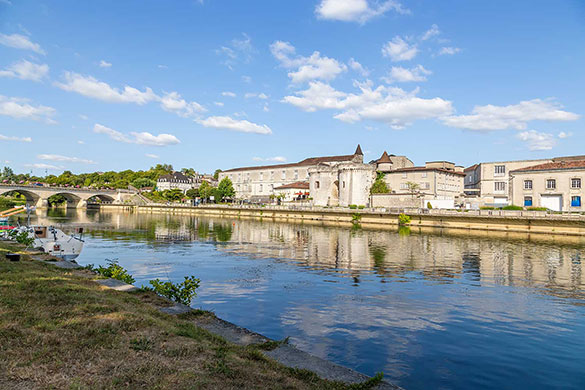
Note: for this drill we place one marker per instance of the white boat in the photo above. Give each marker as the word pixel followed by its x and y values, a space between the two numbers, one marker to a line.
pixel 54 241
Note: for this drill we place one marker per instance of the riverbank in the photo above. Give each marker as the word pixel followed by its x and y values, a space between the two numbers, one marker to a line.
pixel 61 329
pixel 531 222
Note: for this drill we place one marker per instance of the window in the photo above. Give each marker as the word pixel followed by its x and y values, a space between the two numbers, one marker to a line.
pixel 527 184
pixel 551 184
pixel 283 174
pixel 499 170
pixel 500 186
pixel 403 186
pixel 261 177
pixel 424 174
pixel 404 175
pixel 260 187
pixel 316 184
pixel 576 183
pixel 296 174
pixel 527 201
pixel 344 184
pixel 271 175
pixel 575 201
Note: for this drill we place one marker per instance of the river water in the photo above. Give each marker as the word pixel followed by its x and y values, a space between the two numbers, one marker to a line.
pixel 432 310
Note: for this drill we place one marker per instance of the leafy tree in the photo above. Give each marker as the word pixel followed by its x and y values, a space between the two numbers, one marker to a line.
pixel 216 174
pixel 188 171
pixel 379 186
pixel 412 188
pixel 7 173
pixel 173 195
pixel 193 193
pixel 142 182
pixel 225 189
pixel 205 190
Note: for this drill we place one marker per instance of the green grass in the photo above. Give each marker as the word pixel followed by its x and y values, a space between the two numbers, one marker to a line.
pixel 61 330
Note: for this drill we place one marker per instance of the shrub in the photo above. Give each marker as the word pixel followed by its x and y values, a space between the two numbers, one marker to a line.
pixel 512 207
pixel 23 238
pixel 115 271
pixel 536 208
pixel 487 208
pixel 353 206
pixel 429 205
pixel 356 217
pixel 179 292
pixel 361 207
pixel 403 219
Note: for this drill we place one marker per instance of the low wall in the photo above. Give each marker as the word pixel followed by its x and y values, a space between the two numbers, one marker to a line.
pixel 487 220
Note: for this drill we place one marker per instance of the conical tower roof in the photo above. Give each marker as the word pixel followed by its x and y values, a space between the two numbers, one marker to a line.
pixel 358 151
pixel 384 159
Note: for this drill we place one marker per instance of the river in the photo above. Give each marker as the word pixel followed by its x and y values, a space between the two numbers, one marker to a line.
pixel 440 310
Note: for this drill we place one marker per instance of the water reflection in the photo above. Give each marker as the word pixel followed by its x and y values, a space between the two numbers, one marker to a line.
pixel 430 308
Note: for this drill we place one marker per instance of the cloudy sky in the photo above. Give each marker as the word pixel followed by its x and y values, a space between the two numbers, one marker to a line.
pixel 113 85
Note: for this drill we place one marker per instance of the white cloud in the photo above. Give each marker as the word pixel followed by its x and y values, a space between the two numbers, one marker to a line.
pixel 356 10
pixel 449 51
pixel 20 108
pixel 392 106
pixel 356 66
pixel 58 157
pixel 399 50
pixel 143 138
pixel 26 70
pixel 260 95
pixel 228 94
pixel 173 102
pixel 161 66
pixel 537 140
pixel 273 159
pixel 403 75
pixel 18 139
pixel 307 68
pixel 93 88
pixel 433 31
pixel 150 155
pixel 227 123
pixel 266 108
pixel 18 41
pixel 43 166
pixel 84 117
pixel 514 116
pixel 105 64
pixel 80 142
pixel 219 104
pixel 246 79
pixel 239 50
pixel 563 135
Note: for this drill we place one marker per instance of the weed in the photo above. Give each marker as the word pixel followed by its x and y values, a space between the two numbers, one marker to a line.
pixel 115 271
pixel 403 219
pixel 141 344
pixel 183 292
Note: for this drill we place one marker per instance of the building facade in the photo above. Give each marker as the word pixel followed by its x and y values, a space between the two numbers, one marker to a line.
pixel 490 181
pixel 175 180
pixel 293 191
pixel 258 183
pixel 556 185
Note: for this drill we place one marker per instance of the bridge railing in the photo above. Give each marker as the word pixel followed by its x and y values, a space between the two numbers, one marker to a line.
pixel 81 189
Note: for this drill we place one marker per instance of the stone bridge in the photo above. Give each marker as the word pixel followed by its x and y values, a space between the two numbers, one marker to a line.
pixel 76 197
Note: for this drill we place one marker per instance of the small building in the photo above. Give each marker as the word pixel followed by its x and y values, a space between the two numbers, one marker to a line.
pixel 294 191
pixel 175 180
pixel 556 185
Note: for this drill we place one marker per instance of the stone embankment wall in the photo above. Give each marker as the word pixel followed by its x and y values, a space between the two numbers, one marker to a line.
pixel 537 222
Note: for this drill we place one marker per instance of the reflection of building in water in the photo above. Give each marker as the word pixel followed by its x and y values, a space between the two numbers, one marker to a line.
pixel 388 254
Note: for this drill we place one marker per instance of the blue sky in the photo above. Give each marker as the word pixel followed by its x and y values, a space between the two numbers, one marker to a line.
pixel 110 85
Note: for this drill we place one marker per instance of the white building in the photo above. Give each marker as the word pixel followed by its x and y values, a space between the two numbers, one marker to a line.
pixel 175 180
pixel 258 183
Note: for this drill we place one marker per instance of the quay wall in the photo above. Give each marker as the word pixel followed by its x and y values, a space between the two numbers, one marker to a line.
pixel 484 220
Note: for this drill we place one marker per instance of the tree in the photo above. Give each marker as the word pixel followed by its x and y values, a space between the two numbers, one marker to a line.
pixel 225 189
pixel 193 193
pixel 205 190
pixel 188 171
pixel 216 174
pixel 173 195
pixel 7 173
pixel 379 186
pixel 143 182
pixel 412 188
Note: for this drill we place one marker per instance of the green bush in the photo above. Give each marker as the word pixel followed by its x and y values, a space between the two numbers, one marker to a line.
pixel 361 207
pixel 403 219
pixel 6 203
pixel 487 208
pixel 512 207
pixel 353 206
pixel 536 208
pixel 179 292
pixel 22 238
pixel 115 271
pixel 356 217
pixel 429 205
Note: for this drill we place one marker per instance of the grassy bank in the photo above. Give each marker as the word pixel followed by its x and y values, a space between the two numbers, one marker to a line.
pixel 61 330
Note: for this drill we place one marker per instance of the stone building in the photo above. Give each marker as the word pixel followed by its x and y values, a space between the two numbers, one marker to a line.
pixel 489 181
pixel 258 183
pixel 293 191
pixel 556 185
pixel 175 180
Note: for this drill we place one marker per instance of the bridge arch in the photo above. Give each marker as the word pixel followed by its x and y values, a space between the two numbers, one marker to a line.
pixel 72 199
pixel 99 198
pixel 31 197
